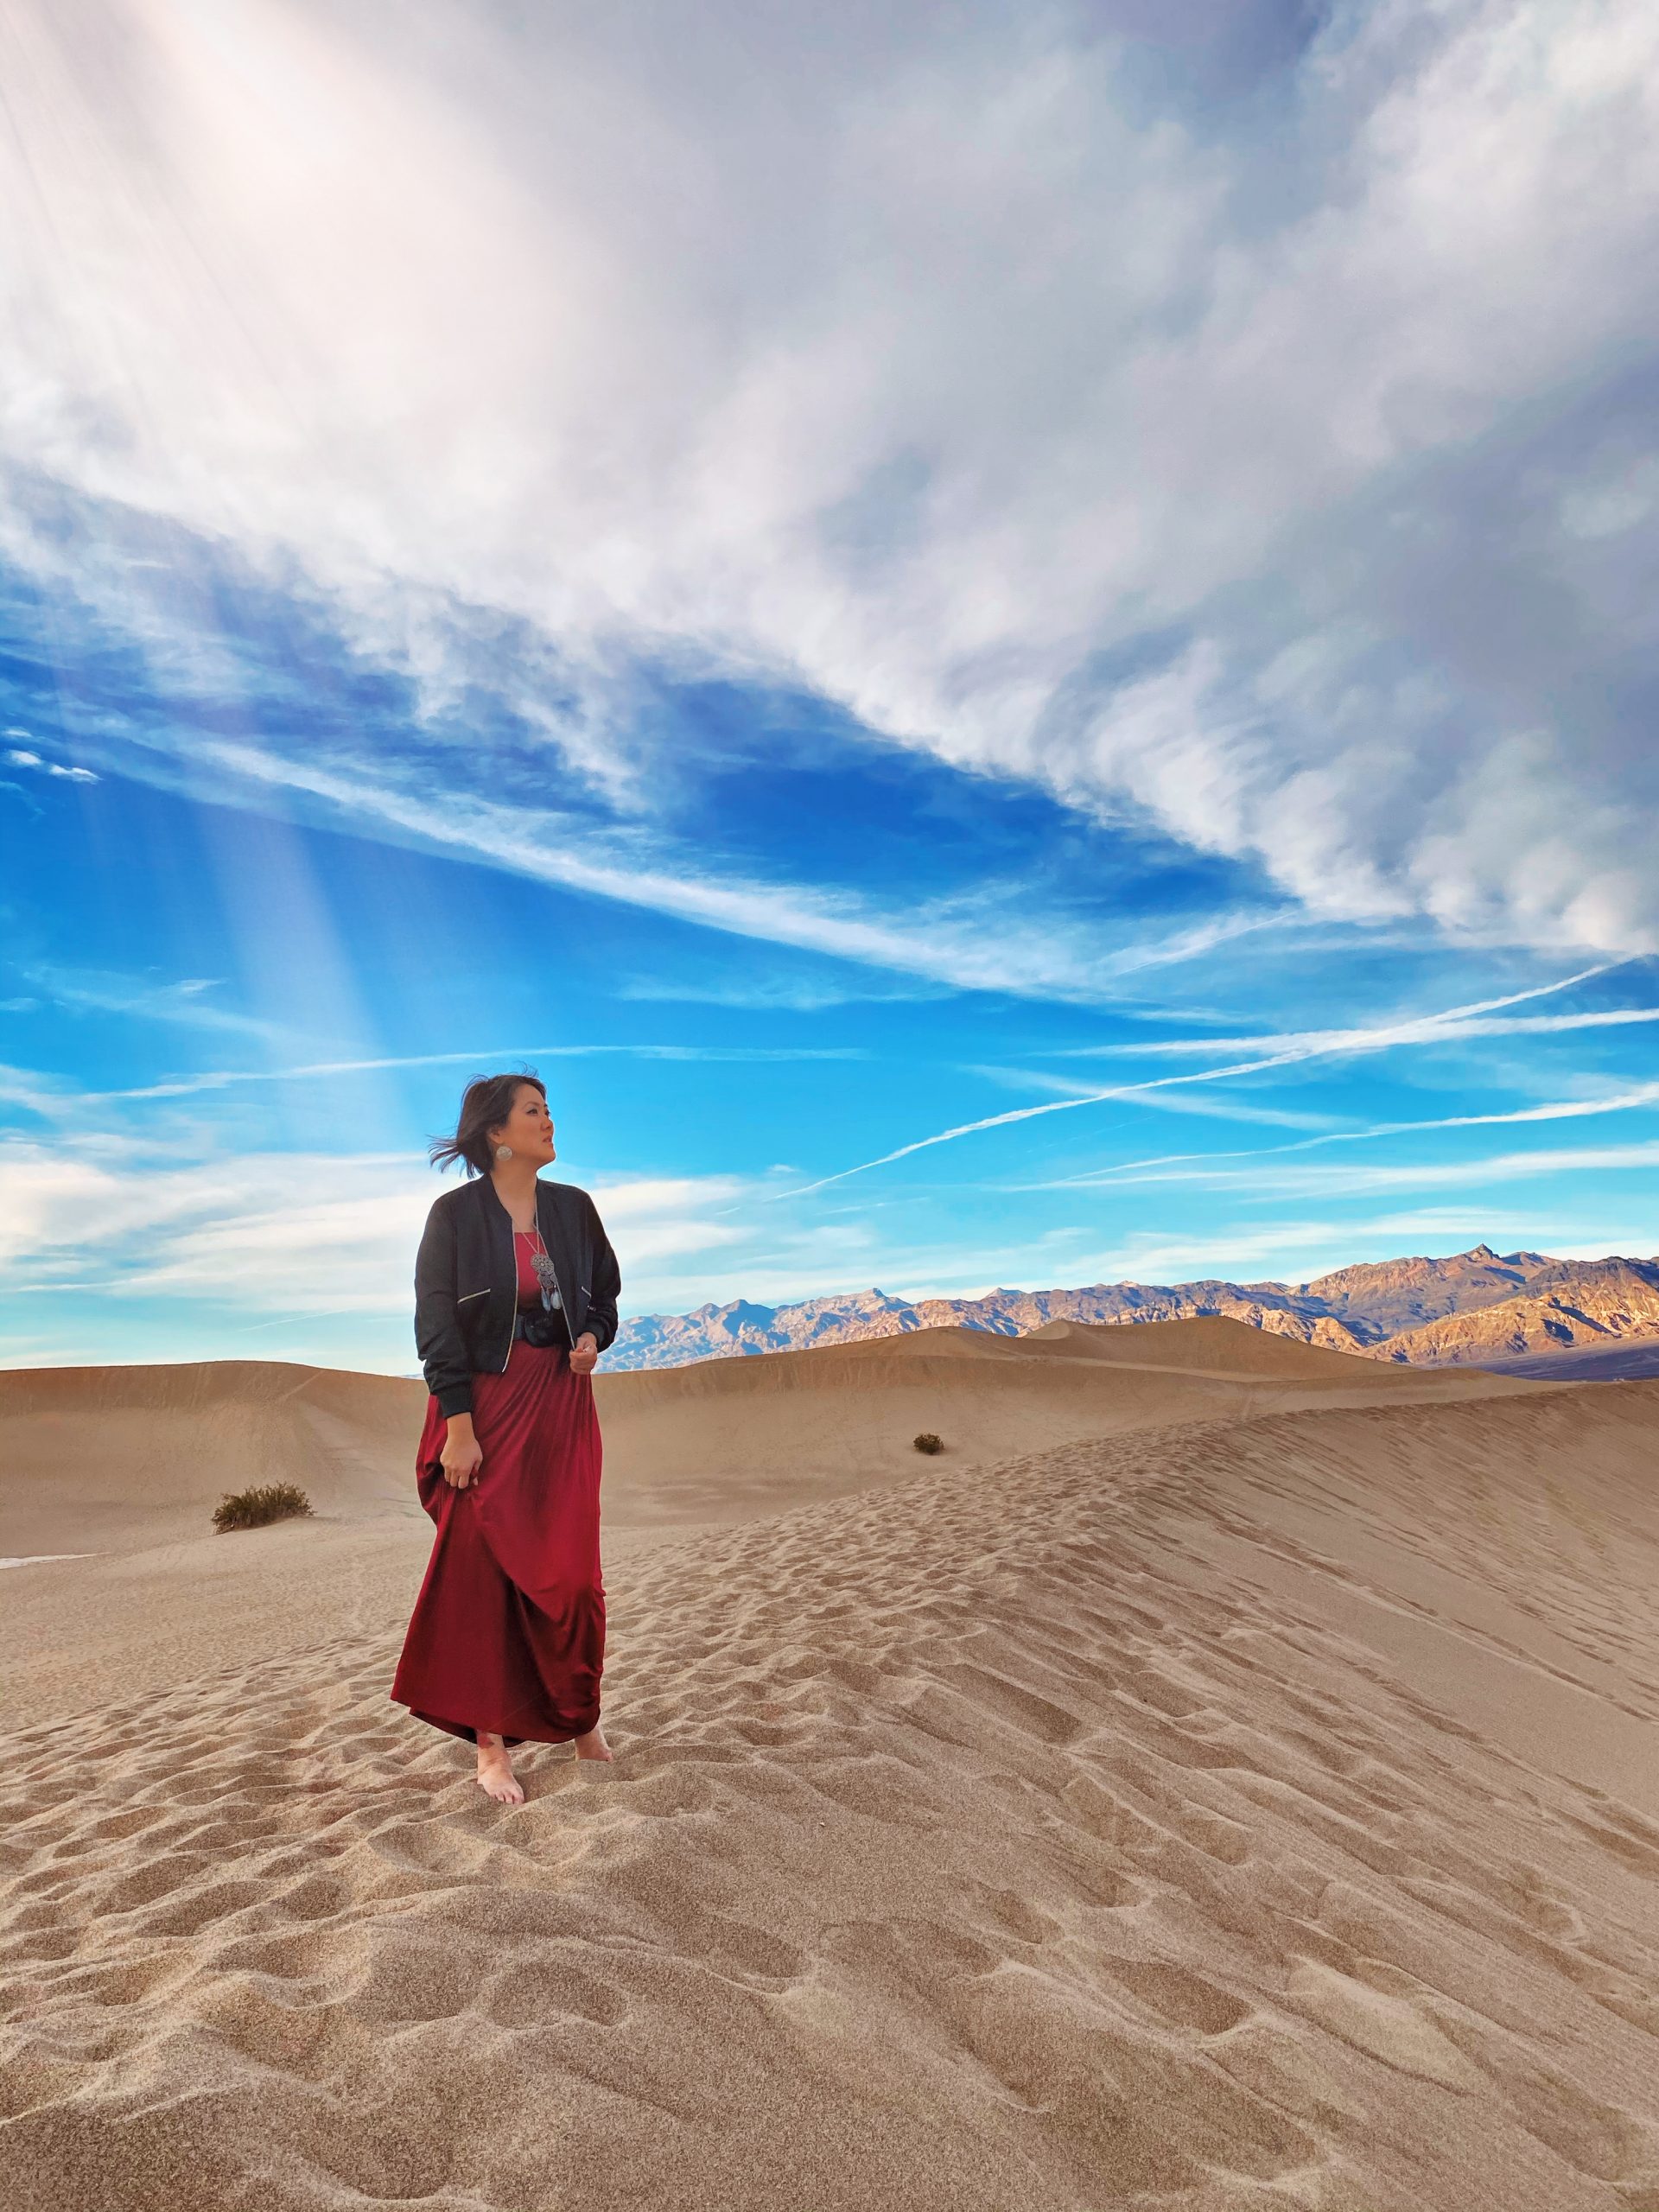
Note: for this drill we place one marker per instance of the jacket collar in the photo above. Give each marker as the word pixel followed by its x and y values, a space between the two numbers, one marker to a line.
pixel 547 1220
pixel 546 1204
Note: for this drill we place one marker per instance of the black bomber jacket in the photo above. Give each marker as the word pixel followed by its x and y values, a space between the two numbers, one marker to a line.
pixel 467 1282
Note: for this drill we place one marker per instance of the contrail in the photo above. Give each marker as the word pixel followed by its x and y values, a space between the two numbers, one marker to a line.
pixel 1317 1046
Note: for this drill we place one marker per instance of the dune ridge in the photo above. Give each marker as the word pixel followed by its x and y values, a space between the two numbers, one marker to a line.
pixel 1239 1812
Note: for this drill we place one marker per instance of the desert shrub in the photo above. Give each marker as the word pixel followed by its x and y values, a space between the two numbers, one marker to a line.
pixel 251 1509
pixel 928 1442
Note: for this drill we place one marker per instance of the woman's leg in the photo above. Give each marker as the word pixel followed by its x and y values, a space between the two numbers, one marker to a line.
pixel 495 1774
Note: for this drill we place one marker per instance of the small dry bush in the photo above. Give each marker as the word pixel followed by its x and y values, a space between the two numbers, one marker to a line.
pixel 928 1442
pixel 251 1509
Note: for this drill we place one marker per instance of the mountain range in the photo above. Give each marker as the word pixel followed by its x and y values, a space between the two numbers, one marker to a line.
pixel 1479 1308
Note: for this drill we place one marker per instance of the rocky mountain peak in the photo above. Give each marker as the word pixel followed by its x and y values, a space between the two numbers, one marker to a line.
pixel 1471 1307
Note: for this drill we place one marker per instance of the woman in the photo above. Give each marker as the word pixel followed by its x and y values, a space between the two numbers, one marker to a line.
pixel 515 1298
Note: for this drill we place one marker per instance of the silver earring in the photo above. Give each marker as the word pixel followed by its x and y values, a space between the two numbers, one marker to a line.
pixel 504 1152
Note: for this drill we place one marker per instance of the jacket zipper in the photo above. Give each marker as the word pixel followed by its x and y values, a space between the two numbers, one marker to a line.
pixel 569 1323
pixel 512 1257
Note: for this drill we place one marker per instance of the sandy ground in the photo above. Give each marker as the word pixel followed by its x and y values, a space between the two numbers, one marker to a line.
pixel 1225 1778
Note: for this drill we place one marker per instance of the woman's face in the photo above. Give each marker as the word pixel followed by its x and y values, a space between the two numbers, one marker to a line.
pixel 528 1129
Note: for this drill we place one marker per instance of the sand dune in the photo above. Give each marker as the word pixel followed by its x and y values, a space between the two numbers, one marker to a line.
pixel 126 1457
pixel 1213 1344
pixel 1253 1807
pixel 128 1462
pixel 730 1437
pixel 116 1458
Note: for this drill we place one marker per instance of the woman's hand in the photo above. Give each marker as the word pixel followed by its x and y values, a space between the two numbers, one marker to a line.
pixel 462 1458
pixel 584 1353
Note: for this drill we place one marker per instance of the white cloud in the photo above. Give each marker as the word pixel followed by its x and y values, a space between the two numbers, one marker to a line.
pixel 20 758
pixel 1285 486
pixel 49 1200
pixel 1292 1253
pixel 285 1234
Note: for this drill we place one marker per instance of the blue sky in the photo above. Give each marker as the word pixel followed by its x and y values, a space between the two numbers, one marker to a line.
pixel 1010 654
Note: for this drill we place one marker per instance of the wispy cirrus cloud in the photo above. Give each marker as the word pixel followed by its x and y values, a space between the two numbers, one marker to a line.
pixel 185 1002
pixel 1314 1045
pixel 776 994
pixel 57 1098
pixel 1220 1110
pixel 966 940
pixel 1448 1028
pixel 1261 1183
pixel 1639 1099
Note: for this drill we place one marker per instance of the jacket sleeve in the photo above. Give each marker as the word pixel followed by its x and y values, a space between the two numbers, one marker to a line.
pixel 606 1287
pixel 437 1333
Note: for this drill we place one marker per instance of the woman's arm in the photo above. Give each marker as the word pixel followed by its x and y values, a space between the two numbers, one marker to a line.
pixel 462 1454
pixel 437 1333
pixel 606 1287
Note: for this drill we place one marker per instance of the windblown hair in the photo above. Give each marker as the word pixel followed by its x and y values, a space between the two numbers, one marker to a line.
pixel 486 1104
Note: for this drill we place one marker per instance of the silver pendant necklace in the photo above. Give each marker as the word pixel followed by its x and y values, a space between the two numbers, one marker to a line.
pixel 541 1259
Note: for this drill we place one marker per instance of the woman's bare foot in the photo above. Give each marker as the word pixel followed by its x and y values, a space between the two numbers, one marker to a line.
pixel 592 1745
pixel 495 1774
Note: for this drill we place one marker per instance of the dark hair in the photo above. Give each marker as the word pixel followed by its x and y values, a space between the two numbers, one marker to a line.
pixel 486 1104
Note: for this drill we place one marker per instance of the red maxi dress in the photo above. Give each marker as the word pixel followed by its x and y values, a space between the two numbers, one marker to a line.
pixel 508 1633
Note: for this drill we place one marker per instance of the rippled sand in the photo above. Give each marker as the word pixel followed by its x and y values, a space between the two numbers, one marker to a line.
pixel 1245 1803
